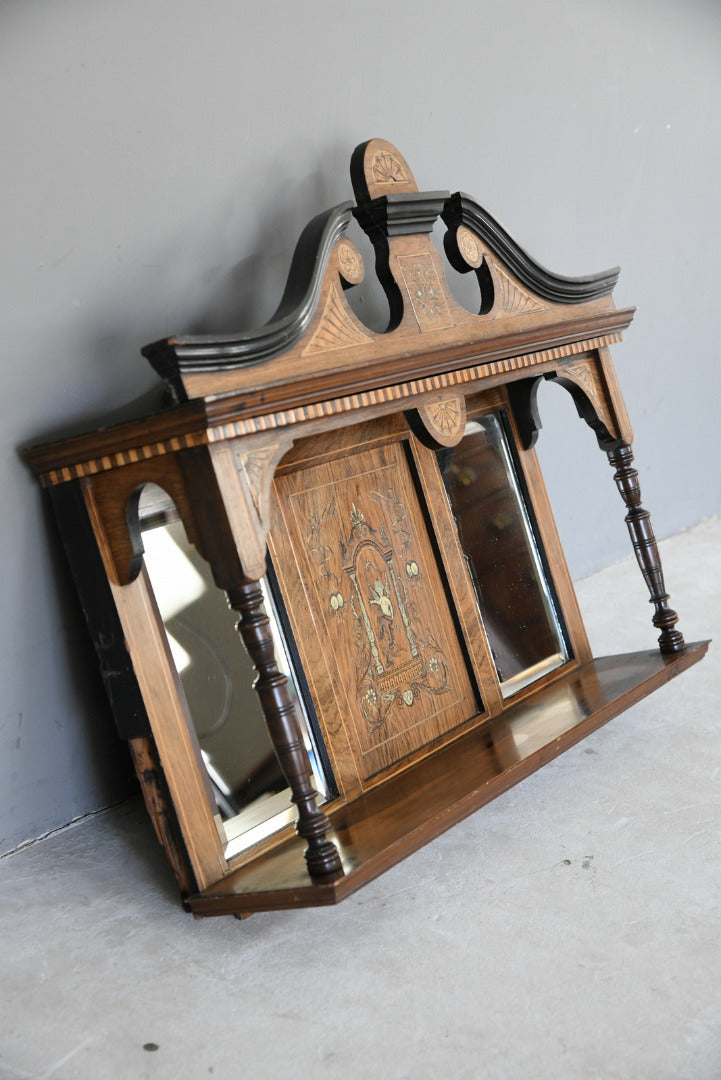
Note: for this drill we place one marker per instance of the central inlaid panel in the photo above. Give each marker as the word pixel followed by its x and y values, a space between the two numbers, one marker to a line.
pixel 369 611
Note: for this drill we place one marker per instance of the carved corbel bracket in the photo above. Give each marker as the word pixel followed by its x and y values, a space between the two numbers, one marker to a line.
pixel 113 500
pixel 244 469
pixel 230 531
pixel 591 382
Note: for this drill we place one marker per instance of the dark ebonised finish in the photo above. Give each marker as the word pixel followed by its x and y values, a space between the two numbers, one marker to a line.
pixel 321 855
pixel 406 212
pixel 644 545
pixel 461 209
pixel 211 352
pixel 91 581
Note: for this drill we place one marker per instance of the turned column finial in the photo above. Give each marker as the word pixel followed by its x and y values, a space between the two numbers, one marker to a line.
pixel 644 545
pixel 272 687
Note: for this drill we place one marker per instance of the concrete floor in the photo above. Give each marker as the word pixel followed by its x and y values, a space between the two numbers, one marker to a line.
pixel 571 929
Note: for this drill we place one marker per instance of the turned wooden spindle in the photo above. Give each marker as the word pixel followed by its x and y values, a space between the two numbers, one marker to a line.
pixel 644 544
pixel 272 687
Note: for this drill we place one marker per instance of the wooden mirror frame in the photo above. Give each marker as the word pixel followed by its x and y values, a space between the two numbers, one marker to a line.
pixel 316 401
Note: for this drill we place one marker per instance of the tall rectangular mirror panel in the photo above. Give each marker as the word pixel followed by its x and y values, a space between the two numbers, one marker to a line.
pixel 505 559
pixel 250 795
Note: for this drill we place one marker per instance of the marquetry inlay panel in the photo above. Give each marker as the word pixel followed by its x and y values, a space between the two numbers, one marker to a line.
pixel 425 292
pixel 368 610
pixel 318 453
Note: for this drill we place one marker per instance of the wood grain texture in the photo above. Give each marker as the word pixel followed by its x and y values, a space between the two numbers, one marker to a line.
pixel 374 605
pixel 423 313
pixel 463 596
pixel 116 495
pixel 407 357
pixel 442 418
pixel 313 252
pixel 264 408
pixel 106 632
pixel 590 378
pixel 120 444
pixel 162 813
pixel 463 212
pixel 167 710
pixel 612 390
pixel 584 378
pixel 390 822
pixel 378 168
pixel 244 513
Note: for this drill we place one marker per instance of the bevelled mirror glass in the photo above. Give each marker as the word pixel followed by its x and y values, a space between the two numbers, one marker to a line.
pixel 249 789
pixel 503 555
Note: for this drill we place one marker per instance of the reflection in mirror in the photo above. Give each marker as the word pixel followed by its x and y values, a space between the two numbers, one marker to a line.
pixel 503 555
pixel 217 675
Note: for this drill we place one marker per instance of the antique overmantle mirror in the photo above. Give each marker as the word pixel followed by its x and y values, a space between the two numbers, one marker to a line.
pixel 368 508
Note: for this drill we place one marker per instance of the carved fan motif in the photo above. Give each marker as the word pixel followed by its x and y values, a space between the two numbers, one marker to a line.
pixel 336 329
pixel 387 169
pixel 444 420
pixel 255 466
pixel 511 299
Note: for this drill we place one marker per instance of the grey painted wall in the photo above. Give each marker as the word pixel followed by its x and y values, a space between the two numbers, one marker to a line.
pixel 159 160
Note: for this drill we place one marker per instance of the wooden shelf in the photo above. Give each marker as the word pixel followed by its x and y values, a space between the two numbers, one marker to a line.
pixel 377 830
